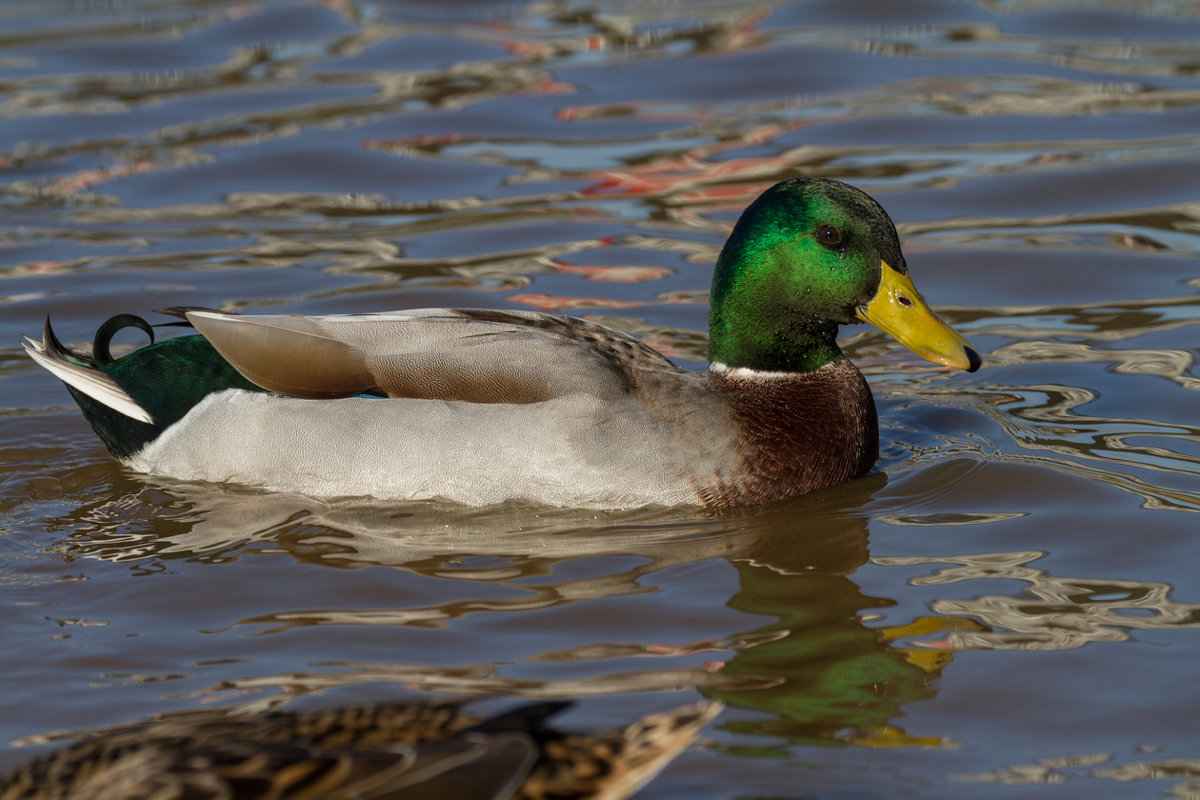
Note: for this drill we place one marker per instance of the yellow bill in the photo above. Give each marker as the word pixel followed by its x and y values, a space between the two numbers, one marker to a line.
pixel 899 310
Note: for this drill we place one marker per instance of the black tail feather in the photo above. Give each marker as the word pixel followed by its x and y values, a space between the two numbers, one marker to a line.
pixel 529 718
pixel 130 401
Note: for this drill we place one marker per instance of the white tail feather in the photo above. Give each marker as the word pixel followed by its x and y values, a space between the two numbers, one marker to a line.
pixel 92 382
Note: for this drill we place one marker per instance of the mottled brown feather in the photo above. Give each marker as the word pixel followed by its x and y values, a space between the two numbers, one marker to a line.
pixel 410 751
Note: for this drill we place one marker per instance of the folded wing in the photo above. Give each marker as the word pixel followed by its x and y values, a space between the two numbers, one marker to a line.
pixel 480 356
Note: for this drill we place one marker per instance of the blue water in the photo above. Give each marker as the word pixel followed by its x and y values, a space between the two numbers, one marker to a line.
pixel 1007 608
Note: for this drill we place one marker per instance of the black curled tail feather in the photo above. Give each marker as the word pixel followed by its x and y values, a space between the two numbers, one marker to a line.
pixel 57 349
pixel 131 400
pixel 104 334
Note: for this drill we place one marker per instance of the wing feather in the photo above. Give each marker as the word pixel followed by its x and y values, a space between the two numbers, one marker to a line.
pixel 479 356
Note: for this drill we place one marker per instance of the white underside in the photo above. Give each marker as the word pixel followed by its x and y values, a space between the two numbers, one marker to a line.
pixel 571 451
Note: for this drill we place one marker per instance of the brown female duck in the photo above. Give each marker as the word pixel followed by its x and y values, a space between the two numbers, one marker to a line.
pixel 382 752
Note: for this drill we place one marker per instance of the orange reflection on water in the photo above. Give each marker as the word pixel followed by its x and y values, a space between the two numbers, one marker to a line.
pixel 689 176
pixel 546 302
pixel 613 274
pixel 69 185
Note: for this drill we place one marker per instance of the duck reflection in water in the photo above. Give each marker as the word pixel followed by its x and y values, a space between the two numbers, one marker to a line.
pixel 818 671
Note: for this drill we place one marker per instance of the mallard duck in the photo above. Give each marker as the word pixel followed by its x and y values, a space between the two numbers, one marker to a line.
pixel 367 753
pixel 482 406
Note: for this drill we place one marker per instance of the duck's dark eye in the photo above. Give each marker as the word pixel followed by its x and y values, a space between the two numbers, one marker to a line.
pixel 829 235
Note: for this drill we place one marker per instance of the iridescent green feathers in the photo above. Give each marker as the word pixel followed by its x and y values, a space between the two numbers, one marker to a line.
pixel 801 258
pixel 129 401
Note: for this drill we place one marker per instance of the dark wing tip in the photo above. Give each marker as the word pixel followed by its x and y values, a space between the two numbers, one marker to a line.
pixel 181 312
pixel 528 718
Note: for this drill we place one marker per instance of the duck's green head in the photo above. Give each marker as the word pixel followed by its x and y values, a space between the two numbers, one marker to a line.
pixel 808 255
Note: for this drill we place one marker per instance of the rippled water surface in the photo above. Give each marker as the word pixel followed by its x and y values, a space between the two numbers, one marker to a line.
pixel 1008 608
